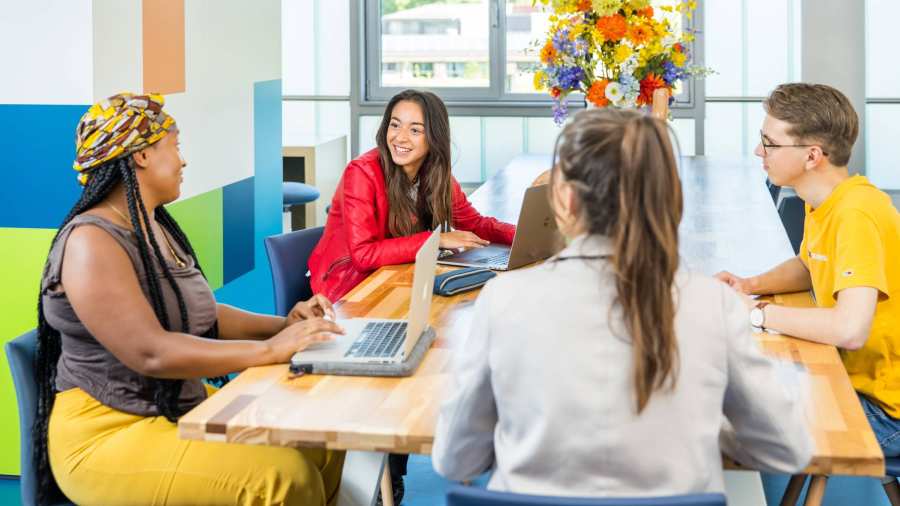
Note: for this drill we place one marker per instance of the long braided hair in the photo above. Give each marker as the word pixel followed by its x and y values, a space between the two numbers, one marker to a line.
pixel 103 179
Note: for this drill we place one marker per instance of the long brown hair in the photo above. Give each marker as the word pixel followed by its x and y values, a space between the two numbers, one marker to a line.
pixel 622 168
pixel 434 203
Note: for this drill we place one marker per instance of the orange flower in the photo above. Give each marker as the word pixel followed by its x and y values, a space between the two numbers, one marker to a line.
pixel 678 47
pixel 554 92
pixel 597 93
pixel 646 12
pixel 649 84
pixel 639 34
pixel 612 27
pixel 548 53
pixel 584 5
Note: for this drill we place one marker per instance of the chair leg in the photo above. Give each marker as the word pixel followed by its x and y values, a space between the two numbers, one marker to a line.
pixel 792 492
pixel 892 490
pixel 816 490
pixel 387 490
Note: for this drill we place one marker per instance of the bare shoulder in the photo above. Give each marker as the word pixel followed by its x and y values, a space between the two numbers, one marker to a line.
pixel 90 247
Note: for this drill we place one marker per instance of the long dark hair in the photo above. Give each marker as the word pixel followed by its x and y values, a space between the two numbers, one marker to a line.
pixel 101 182
pixel 623 169
pixel 434 204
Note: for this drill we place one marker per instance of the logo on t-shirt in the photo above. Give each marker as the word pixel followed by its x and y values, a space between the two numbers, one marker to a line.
pixel 847 273
pixel 818 256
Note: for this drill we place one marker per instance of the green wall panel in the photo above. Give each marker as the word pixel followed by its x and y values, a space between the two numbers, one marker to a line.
pixel 201 219
pixel 22 255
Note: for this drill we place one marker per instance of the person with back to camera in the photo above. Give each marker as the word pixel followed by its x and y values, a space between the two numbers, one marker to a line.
pixel 609 370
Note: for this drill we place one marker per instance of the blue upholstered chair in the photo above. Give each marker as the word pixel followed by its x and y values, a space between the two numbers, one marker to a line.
pixel 20 355
pixel 793 213
pixel 288 257
pixel 471 496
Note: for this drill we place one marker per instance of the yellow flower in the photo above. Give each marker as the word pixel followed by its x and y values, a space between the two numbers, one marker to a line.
pixel 606 7
pixel 622 53
pixel 539 78
pixel 679 59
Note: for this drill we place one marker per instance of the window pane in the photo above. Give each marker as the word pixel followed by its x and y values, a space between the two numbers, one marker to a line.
pixel 525 24
pixel 882 74
pixel 883 149
pixel 465 148
pixel 503 141
pixel 732 129
pixel 435 43
pixel 315 60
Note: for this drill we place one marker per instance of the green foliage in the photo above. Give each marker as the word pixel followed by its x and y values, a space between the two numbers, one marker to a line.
pixel 392 6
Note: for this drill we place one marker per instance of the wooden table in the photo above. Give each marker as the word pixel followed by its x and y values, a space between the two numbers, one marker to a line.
pixel 729 222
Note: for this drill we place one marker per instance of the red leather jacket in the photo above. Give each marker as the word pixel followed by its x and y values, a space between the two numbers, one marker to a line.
pixel 356 240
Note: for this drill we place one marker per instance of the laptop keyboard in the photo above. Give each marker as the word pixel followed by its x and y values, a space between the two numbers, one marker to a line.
pixel 498 260
pixel 378 339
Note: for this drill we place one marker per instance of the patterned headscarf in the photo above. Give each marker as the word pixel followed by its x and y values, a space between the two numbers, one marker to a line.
pixel 118 126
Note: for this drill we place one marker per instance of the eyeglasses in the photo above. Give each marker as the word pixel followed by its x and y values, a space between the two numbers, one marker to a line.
pixel 765 145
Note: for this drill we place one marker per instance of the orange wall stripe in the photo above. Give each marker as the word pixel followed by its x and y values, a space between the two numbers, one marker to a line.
pixel 163 46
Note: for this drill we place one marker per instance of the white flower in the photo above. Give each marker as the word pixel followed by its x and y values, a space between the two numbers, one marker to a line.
pixel 614 92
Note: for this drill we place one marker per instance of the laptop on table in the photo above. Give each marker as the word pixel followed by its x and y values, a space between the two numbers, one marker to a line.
pixel 536 238
pixel 381 347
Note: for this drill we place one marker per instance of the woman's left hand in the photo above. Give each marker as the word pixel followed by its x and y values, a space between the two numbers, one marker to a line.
pixel 318 306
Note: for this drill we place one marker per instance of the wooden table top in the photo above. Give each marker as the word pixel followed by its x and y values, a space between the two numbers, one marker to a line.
pixel 729 222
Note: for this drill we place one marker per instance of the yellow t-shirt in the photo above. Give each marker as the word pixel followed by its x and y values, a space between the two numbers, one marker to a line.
pixel 852 240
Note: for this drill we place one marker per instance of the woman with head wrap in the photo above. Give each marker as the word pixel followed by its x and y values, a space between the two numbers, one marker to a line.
pixel 127 328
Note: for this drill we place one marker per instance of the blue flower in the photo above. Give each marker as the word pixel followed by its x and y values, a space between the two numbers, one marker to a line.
pixel 569 78
pixel 560 111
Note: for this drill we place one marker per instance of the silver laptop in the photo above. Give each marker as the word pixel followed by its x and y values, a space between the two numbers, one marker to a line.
pixel 536 238
pixel 380 347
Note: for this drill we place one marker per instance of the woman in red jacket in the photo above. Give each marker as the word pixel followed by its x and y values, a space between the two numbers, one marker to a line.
pixel 390 198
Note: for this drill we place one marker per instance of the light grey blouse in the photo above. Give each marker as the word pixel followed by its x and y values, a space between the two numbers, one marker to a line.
pixel 543 391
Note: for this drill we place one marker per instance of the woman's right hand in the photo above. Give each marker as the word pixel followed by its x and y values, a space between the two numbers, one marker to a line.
pixel 739 284
pixel 299 336
pixel 461 239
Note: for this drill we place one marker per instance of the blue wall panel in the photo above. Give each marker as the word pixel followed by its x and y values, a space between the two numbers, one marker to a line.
pixel 238 229
pixel 38 146
pixel 253 290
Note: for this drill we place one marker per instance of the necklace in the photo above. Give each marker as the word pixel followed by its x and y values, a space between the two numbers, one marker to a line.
pixel 178 261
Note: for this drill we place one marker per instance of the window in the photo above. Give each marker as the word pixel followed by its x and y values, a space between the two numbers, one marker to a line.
pixel 882 113
pixel 753 45
pixel 432 43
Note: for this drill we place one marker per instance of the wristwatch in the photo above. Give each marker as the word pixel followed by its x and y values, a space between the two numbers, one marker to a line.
pixel 758 316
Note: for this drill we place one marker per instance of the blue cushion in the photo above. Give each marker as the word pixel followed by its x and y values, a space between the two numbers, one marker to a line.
pixel 471 496
pixel 298 193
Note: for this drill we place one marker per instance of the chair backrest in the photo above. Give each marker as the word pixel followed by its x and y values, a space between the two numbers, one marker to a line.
pixel 288 257
pixel 793 213
pixel 471 496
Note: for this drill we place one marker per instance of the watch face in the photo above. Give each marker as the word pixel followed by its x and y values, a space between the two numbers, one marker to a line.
pixel 756 317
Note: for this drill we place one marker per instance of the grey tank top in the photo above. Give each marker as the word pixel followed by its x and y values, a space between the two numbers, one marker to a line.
pixel 87 364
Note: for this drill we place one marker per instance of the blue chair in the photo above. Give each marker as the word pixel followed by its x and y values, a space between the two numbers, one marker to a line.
pixel 288 257
pixel 793 213
pixel 471 496
pixel 774 190
pixel 20 355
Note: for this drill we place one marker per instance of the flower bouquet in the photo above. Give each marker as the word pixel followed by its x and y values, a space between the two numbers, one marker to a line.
pixel 616 52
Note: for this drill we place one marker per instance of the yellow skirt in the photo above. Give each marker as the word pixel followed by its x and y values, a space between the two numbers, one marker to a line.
pixel 103 456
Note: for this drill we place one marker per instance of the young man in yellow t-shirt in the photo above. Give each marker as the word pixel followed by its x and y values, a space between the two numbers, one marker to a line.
pixel 850 254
